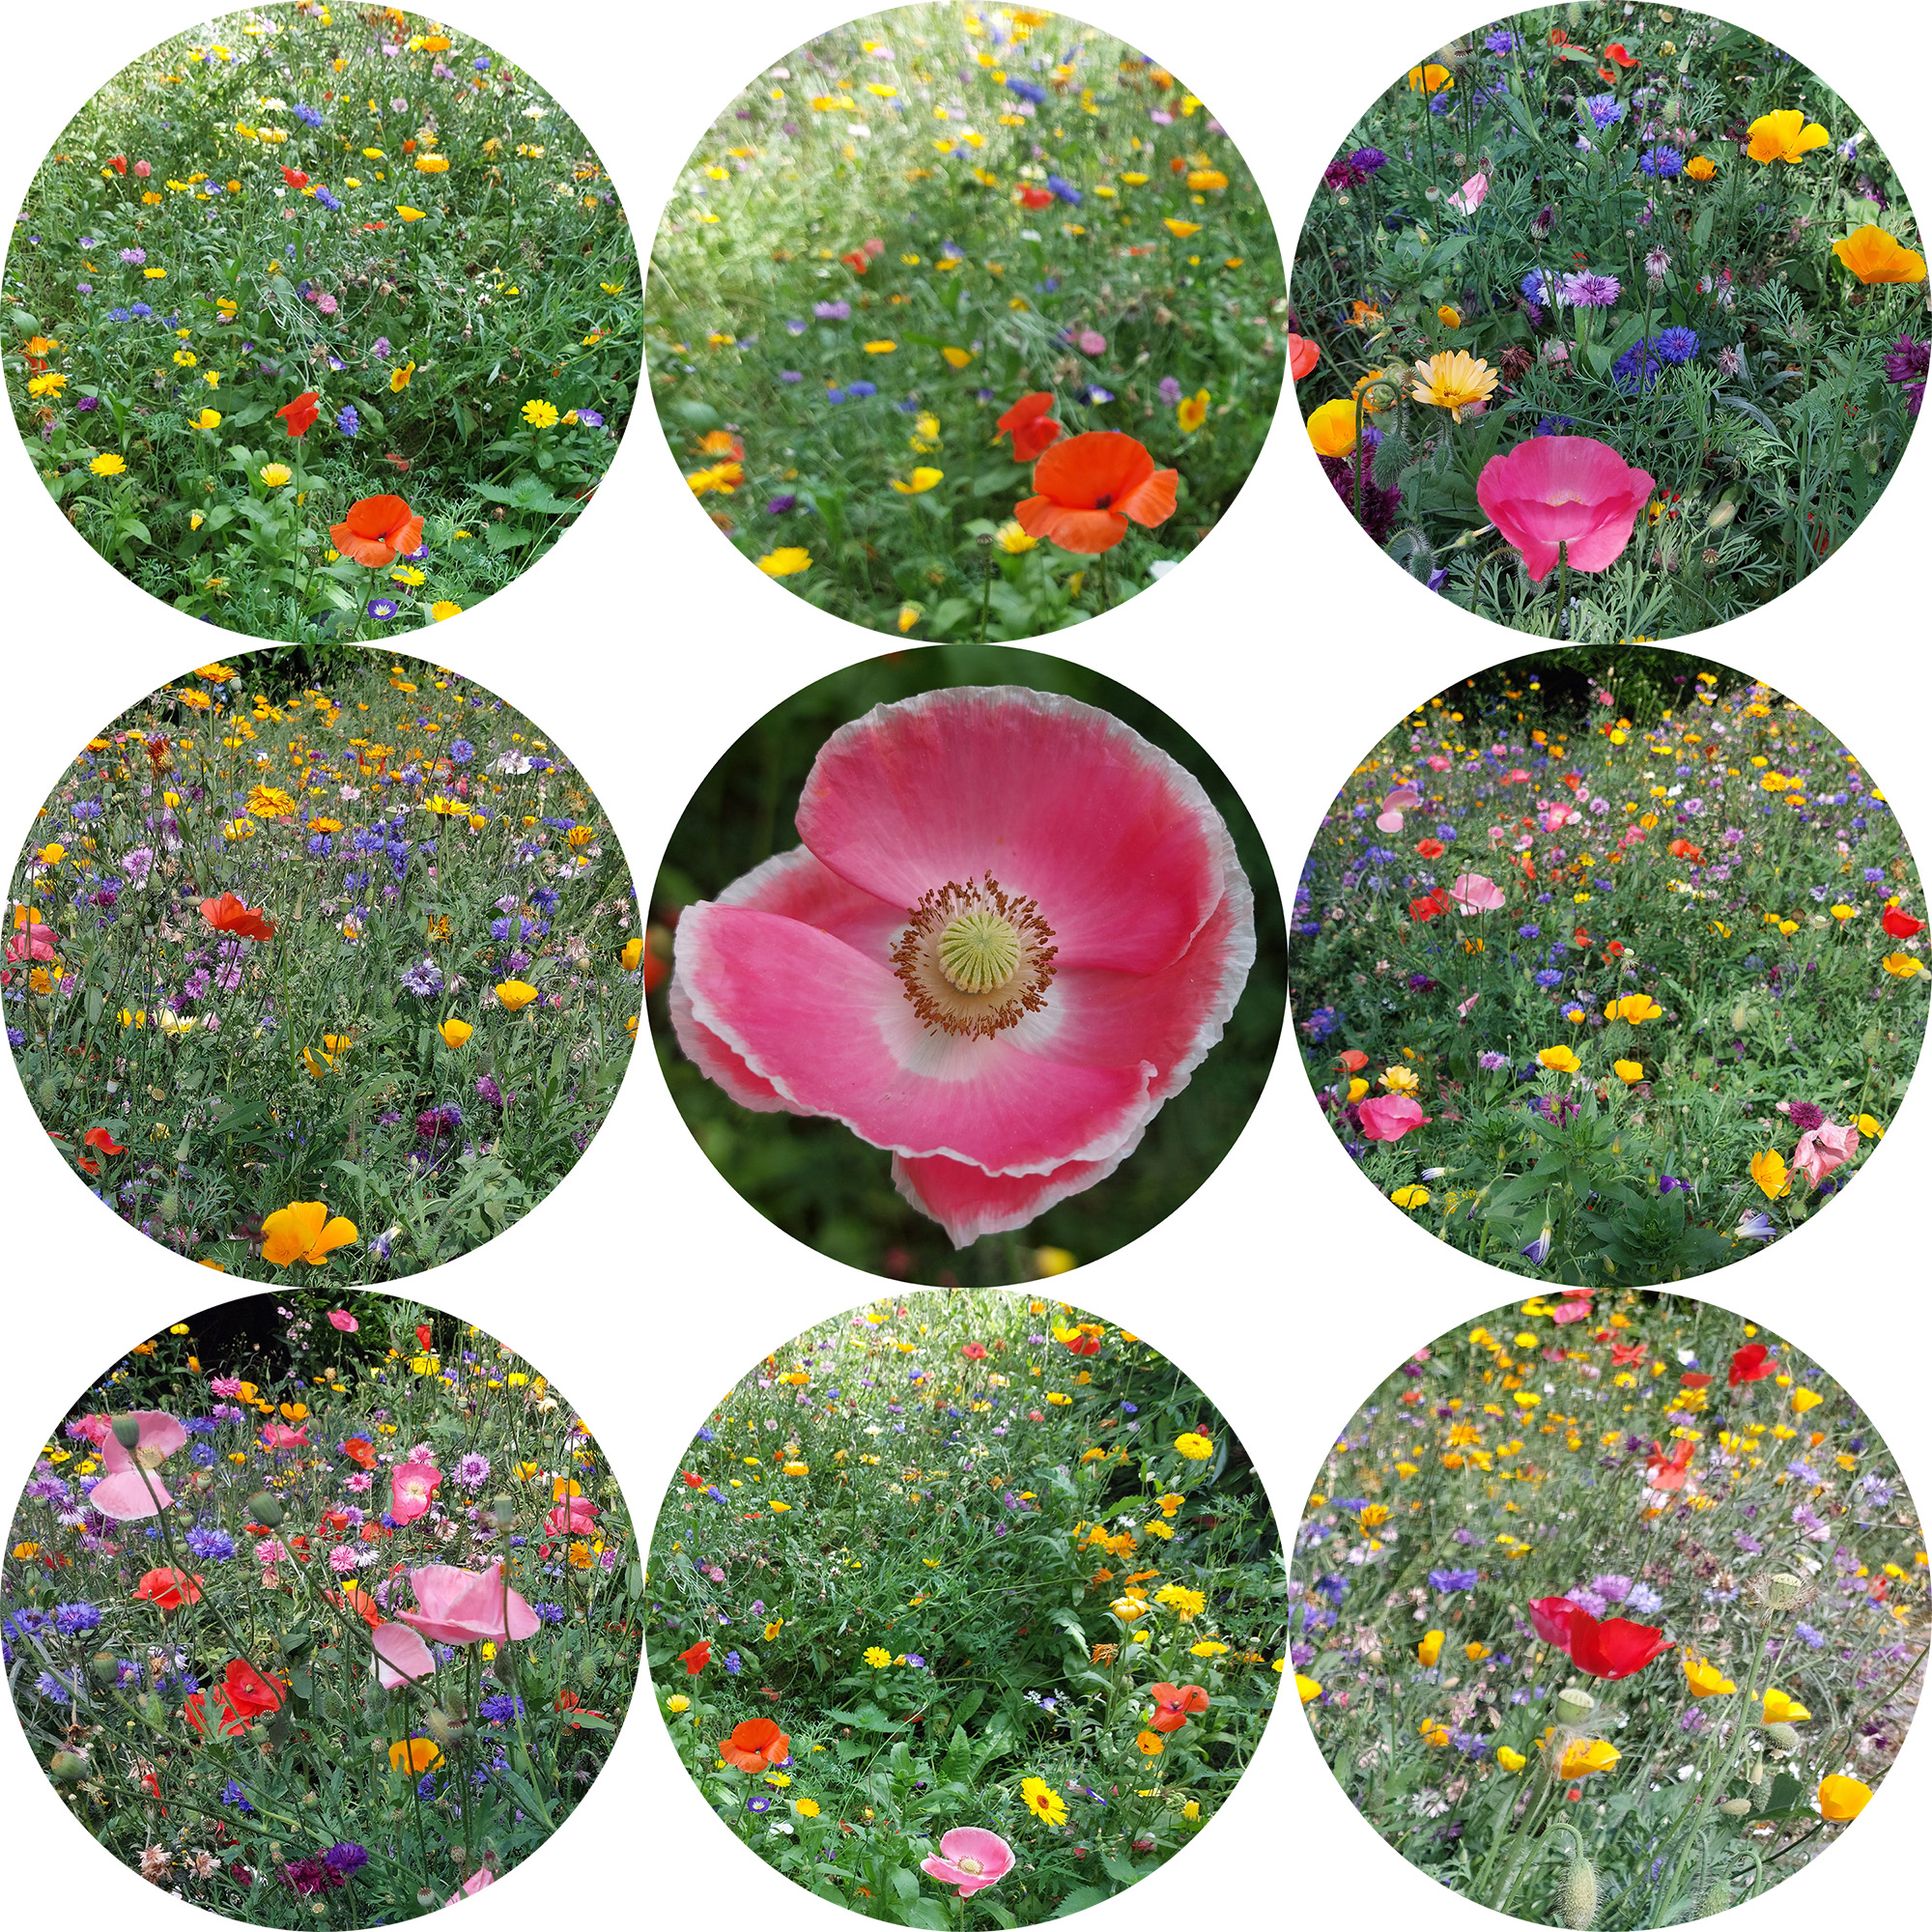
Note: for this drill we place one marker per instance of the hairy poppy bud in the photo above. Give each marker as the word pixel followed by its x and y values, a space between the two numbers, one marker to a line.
pixel 1715 1898
pixel 1575 1704
pixel 1782 1736
pixel 262 1508
pixel 127 1431
pixel 503 1510
pixel 105 1667
pixel 1577 1907
pixel 1736 1808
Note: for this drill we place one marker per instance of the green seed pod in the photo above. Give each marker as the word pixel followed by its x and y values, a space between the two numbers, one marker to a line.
pixel 1575 1704
pixel 1782 1736
pixel 127 1432
pixel 1721 516
pixel 1577 1907
pixel 49 1091
pixel 263 1509
pixel 1781 1590
pixel 586 1673
pixel 503 1510
pixel 104 1668
pixel 154 1713
pixel 1736 1808
pixel 168 1206
pixel 67 1767
pixel 426 1898
pixel 1715 1898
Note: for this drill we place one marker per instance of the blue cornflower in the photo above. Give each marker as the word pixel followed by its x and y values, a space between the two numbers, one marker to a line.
pixel 1529 932
pixel 1636 370
pixel 346 420
pixel 1811 1639
pixel 501 1710
pixel 861 389
pixel 345 1859
pixel 1501 42
pixel 328 201
pixel 1452 1580
pixel 835 395
pixel 1059 184
pixel 1605 109
pixel 1027 90
pixel 1368 159
pixel 210 1545
pixel 1554 425
pixel 1663 162
pixel 52 1689
pixel 233 1794
pixel 70 1619
pixel 481 63
pixel 307 116
pixel 1538 287
pixel 1677 345
pixel 1548 978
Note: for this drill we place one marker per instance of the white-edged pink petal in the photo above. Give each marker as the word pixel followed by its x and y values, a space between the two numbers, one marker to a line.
pixel 127 1498
pixel 1063 803
pixel 968 1202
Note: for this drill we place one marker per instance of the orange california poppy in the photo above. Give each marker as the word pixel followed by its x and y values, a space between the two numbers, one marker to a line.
pixel 1028 421
pixel 376 530
pixel 755 1746
pixel 1089 486
pixel 299 415
pixel 228 914
pixel 1172 1702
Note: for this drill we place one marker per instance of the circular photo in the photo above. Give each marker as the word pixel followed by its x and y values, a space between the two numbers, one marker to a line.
pixel 965 322
pixel 321 960
pixel 1608 339
pixel 1006 1674
pixel 323 325
pixel 321 1608
pixel 1610 1615
pixel 1609 966
pixel 1024 911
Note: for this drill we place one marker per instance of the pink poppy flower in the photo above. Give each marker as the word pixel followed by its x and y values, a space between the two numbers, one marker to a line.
pixel 1436 763
pixel 576 1516
pixel 411 1486
pixel 278 1436
pixel 124 1492
pixel 1080 930
pixel 1557 816
pixel 1403 798
pixel 1474 893
pixel 340 1317
pixel 472 1886
pixel 1566 1312
pixel 401 1655
pixel 1463 1012
pixel 1554 488
pixel 465 1605
pixel 1469 196
pixel 1823 1149
pixel 33 942
pixel 971 1860
pixel 1389 1116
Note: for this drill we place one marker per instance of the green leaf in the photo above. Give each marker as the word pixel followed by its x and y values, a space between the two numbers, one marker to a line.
pixel 1079 1900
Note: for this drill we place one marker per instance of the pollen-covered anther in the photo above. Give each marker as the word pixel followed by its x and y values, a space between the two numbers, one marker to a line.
pixel 972 960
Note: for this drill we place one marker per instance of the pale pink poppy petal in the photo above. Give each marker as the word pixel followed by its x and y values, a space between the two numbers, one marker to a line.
pixel 126 1498
pixel 968 1202
pixel 1389 821
pixel 462 1605
pixel 834 1034
pixel 1060 801
pixel 714 1059
pixel 401 1655
pixel 159 1432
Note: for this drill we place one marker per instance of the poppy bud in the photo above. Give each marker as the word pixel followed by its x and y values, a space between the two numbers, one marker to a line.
pixel 168 1206
pixel 67 1767
pixel 1715 1898
pixel 262 1508
pixel 1575 1704
pixel 127 1431
pixel 1782 1590
pixel 1782 1736
pixel 154 1713
pixel 1721 516
pixel 1578 1905
pixel 105 1667
pixel 502 1512
pixel 1736 1808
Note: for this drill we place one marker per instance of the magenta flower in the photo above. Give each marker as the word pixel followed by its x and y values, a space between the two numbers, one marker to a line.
pixel 124 1492
pixel 971 1860
pixel 465 1605
pixel 1474 893
pixel 1389 1116
pixel 1079 932
pixel 1564 488
pixel 340 1317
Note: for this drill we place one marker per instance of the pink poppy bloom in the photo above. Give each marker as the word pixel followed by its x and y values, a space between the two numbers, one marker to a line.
pixel 33 942
pixel 1080 930
pixel 1403 798
pixel 95 1428
pixel 1463 1012
pixel 340 1317
pixel 1436 763
pixel 1823 1149
pixel 1566 1312
pixel 1557 488
pixel 124 1492
pixel 144 169
pixel 1469 196
pixel 1515 776
pixel 472 1886
pixel 465 1605
pixel 401 1655
pixel 1390 1115
pixel 411 1486
pixel 225 1385
pixel 576 1516
pixel 1474 893
pixel 971 1860
pixel 1557 816
pixel 278 1436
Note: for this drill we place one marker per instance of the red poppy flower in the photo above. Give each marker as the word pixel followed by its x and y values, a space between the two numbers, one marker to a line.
pixel 756 1746
pixel 1352 1060
pixel 247 1691
pixel 357 1599
pixel 1031 431
pixel 376 530
pixel 1623 1353
pixel 1682 848
pixel 1693 1381
pixel 1088 488
pixel 1901 924
pixel 1614 949
pixel 1035 197
pixel 1172 1702
pixel 858 261
pixel 1083 1345
pixel 200 1708
pixel 1611 1649
pixel 975 1352
pixel 424 1333
pixel 169 1589
pixel 295 179
pixel 299 415
pixel 228 914
pixel 1431 848
pixel 117 162
pixel 696 1657
pixel 1751 1363
pixel 1430 906
pixel 361 1451
pixel 693 1481
pixel 101 1138
pixel 1616 52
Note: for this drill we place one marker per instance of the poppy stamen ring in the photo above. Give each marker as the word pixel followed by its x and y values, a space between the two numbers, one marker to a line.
pixel 973 960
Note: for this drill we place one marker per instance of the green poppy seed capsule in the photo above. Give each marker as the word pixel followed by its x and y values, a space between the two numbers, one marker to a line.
pixel 1782 1590
pixel 105 1667
pixel 1715 1898
pixel 127 1431
pixel 263 1509
pixel 426 1898
pixel 1577 1907
pixel 1736 1808
pixel 1575 1704
pixel 1782 1736
pixel 503 1510
pixel 68 1766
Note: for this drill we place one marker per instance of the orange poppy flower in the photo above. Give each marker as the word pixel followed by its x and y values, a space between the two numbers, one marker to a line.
pixel 1172 1702
pixel 357 1599
pixel 228 914
pixel 1353 1060
pixel 299 415
pixel 755 1746
pixel 1090 486
pixel 858 261
pixel 169 1589
pixel 361 1451
pixel 101 1138
pixel 1302 356
pixel 376 530
pixel 1034 197
pixel 1030 428
pixel 295 179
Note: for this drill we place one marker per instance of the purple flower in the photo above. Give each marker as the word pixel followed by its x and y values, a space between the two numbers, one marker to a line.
pixel 1169 391
pixel 1538 1250
pixel 1677 345
pixel 1452 1580
pixel 1590 290
pixel 779 505
pixel 832 311
pixel 1662 162
pixel 381 608
pixel 1368 159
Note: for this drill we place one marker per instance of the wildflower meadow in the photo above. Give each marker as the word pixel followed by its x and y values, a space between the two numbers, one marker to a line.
pixel 1023 969
pixel 323 322
pixel 1611 322
pixel 996 1671
pixel 966 321
pixel 321 1610
pixel 1609 1614
pixel 1609 967
pixel 321 975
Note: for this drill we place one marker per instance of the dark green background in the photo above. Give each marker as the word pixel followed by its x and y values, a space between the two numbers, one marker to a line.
pixel 815 1177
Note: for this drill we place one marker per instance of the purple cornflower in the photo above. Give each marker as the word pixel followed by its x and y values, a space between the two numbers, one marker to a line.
pixel 1493 1062
pixel 1169 392
pixel 1368 159
pixel 424 978
pixel 1452 1580
pixel 1805 1117
pixel 473 1471
pixel 1677 345
pixel 834 311
pixel 347 422
pixel 1591 289
pixel 1605 109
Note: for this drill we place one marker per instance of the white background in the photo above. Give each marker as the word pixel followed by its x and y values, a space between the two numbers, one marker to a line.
pixel 646 646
